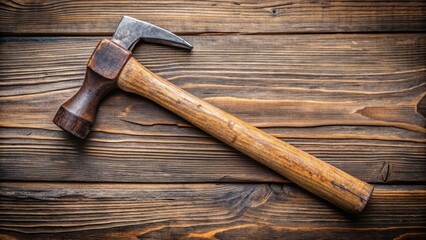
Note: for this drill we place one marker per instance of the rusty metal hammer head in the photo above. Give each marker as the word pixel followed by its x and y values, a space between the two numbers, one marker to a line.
pixel 103 68
pixel 131 30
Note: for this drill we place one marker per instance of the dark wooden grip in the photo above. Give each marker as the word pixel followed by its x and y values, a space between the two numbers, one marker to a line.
pixel 318 177
pixel 78 113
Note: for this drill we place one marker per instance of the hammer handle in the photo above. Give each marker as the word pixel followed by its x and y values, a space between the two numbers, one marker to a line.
pixel 318 177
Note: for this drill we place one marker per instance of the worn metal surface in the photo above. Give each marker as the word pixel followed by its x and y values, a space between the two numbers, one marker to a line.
pixel 130 31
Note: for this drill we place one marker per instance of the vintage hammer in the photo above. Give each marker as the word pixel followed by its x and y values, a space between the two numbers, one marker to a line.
pixel 112 65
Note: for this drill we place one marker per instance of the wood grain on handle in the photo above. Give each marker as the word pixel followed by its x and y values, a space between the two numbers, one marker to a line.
pixel 318 177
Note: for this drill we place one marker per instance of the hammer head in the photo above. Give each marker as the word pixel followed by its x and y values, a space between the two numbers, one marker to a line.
pixel 131 30
pixel 103 68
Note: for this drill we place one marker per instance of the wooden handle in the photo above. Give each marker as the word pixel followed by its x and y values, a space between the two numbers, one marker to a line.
pixel 318 177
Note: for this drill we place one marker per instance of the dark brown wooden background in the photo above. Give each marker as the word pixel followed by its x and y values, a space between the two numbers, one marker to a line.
pixel 343 80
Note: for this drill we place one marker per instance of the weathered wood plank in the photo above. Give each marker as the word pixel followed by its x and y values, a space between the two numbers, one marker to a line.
pixel 217 17
pixel 351 100
pixel 201 211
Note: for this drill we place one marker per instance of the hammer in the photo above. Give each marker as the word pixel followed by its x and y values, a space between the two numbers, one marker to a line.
pixel 112 65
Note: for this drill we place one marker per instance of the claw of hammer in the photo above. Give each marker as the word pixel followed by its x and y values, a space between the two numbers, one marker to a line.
pixel 131 30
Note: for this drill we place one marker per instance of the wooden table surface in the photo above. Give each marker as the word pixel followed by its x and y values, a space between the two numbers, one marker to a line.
pixel 342 80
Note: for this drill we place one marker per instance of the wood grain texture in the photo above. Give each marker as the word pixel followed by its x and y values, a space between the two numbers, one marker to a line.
pixel 213 17
pixel 201 211
pixel 351 100
pixel 354 100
